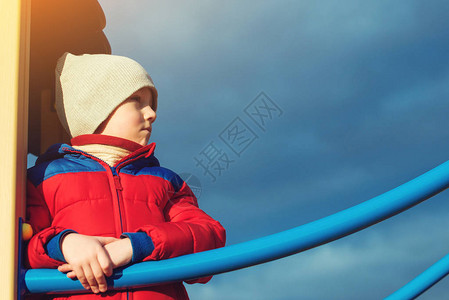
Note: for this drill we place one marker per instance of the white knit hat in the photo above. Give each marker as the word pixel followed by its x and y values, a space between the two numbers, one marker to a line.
pixel 89 87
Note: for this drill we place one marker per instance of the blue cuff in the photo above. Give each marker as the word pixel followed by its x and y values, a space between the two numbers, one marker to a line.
pixel 53 247
pixel 141 243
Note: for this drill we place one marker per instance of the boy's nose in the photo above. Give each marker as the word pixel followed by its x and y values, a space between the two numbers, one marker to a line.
pixel 149 114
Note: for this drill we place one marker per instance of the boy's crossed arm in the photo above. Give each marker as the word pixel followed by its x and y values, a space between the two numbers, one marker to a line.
pixel 91 258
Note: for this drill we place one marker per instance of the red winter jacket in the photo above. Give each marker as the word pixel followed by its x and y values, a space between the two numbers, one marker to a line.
pixel 70 189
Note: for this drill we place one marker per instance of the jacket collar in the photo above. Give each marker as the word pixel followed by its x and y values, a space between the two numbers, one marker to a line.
pixel 102 139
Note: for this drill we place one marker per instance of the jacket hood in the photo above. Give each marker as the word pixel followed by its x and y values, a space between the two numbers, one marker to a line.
pixel 53 152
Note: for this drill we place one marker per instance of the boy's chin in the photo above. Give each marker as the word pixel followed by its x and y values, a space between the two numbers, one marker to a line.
pixel 145 141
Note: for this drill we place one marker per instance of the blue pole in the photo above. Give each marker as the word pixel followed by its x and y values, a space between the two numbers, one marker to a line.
pixel 261 250
pixel 423 282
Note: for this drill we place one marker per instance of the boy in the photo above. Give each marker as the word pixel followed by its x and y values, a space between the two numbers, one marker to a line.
pixel 104 201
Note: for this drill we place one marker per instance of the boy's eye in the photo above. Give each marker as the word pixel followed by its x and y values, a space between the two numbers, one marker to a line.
pixel 141 102
pixel 137 100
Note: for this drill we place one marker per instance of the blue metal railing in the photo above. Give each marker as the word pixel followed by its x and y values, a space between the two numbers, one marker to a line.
pixel 423 282
pixel 268 248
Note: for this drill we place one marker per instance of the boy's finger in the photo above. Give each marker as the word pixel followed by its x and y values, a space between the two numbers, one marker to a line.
pixel 105 263
pixel 104 240
pixel 80 275
pixel 71 275
pixel 90 278
pixel 102 285
pixel 65 268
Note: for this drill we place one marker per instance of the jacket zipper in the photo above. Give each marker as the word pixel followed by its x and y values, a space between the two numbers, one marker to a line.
pixel 118 190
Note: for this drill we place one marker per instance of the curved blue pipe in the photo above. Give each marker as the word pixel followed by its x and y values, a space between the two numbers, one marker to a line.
pixel 263 249
pixel 423 282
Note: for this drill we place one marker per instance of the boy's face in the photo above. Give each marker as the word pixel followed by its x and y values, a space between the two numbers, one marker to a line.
pixel 132 119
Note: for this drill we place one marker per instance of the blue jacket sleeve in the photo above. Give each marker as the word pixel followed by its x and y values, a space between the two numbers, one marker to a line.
pixel 54 245
pixel 141 243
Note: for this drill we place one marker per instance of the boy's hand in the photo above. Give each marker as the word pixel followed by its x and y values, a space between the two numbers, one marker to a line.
pixel 120 252
pixel 87 260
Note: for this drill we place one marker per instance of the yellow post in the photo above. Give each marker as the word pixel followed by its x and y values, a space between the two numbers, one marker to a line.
pixel 14 65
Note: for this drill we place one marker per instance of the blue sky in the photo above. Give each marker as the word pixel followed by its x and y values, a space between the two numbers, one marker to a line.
pixel 363 89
